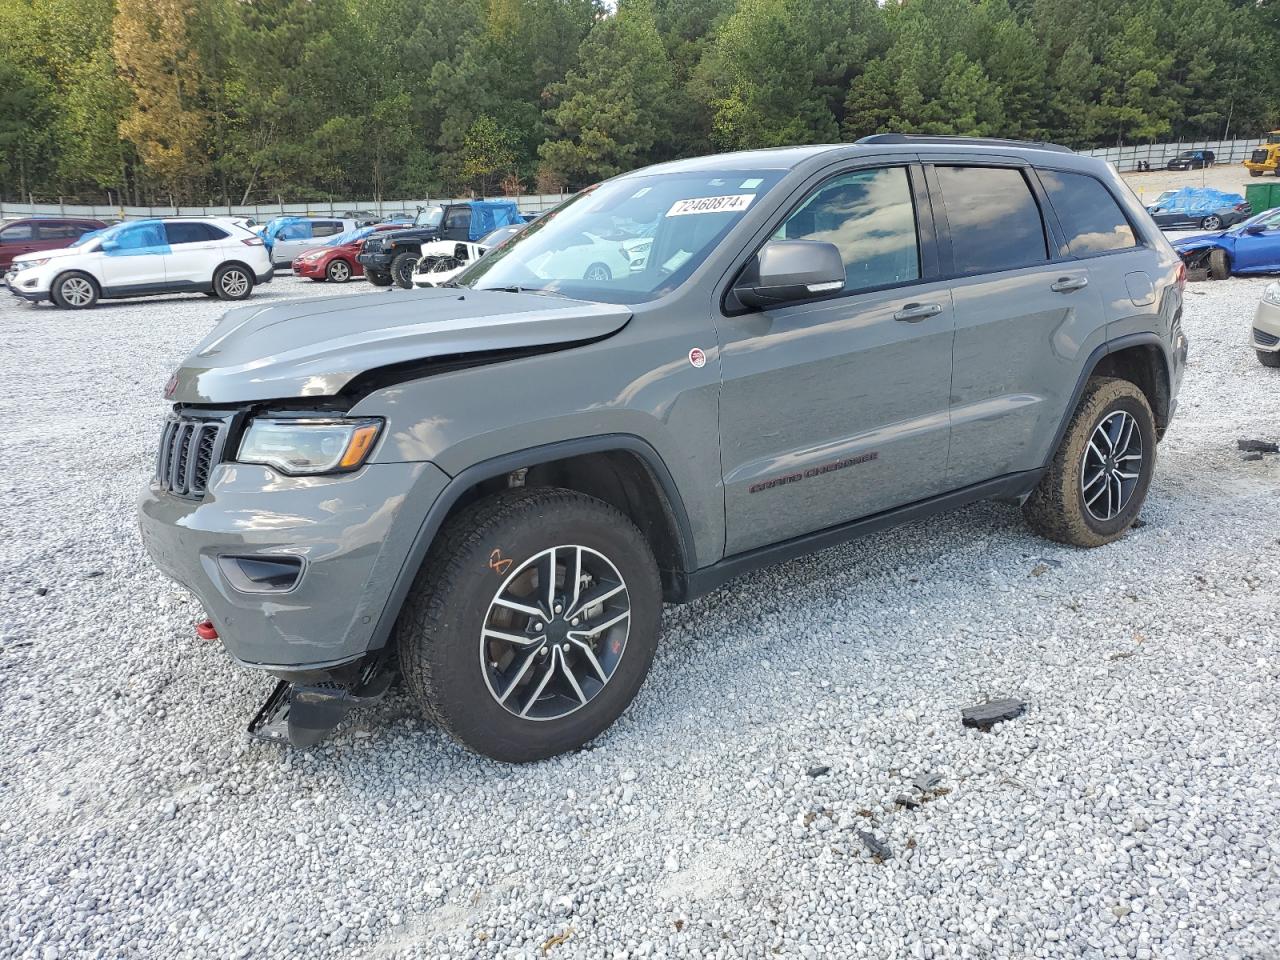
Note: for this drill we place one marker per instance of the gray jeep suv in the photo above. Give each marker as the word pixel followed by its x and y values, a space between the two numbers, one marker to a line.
pixel 492 487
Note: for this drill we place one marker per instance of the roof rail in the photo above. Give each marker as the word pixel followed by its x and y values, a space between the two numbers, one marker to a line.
pixel 963 141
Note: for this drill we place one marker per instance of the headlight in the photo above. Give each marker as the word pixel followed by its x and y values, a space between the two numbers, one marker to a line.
pixel 28 264
pixel 1272 294
pixel 309 446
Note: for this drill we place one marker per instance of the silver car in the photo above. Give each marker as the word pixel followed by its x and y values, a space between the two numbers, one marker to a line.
pixel 493 486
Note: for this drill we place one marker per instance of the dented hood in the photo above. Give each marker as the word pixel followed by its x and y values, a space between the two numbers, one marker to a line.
pixel 313 348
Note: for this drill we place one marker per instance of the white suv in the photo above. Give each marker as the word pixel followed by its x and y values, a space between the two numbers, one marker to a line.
pixel 212 256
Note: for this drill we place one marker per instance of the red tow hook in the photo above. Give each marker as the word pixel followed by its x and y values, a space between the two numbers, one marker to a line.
pixel 205 630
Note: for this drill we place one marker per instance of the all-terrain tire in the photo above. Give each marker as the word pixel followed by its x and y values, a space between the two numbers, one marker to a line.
pixel 1056 508
pixel 402 269
pixel 1219 265
pixel 439 631
pixel 1268 358
pixel 378 279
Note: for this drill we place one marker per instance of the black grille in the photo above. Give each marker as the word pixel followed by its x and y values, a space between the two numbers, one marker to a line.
pixel 189 450
pixel 1259 156
pixel 1264 339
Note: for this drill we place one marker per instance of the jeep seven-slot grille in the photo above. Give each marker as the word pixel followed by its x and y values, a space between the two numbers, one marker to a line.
pixel 1264 339
pixel 189 450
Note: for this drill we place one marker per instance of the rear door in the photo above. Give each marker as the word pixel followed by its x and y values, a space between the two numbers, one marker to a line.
pixel 836 409
pixel 193 253
pixel 1022 313
pixel 15 239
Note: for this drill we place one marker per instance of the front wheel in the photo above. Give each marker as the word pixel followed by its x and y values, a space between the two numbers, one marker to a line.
pixel 532 623
pixel 232 282
pixel 377 279
pixel 1219 265
pixel 74 291
pixel 1098 479
pixel 338 271
pixel 402 270
pixel 1255 173
pixel 598 273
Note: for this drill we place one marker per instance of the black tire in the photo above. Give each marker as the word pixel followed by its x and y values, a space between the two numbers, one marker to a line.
pixel 476 555
pixel 378 279
pixel 1057 508
pixel 1219 265
pixel 74 290
pixel 338 271
pixel 402 269
pixel 1268 358
pixel 233 281
pixel 1255 173
pixel 210 293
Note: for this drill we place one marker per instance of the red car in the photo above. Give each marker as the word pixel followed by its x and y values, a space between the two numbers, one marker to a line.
pixel 41 233
pixel 336 258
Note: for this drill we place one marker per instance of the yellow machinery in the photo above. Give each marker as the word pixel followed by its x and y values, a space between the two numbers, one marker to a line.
pixel 1266 158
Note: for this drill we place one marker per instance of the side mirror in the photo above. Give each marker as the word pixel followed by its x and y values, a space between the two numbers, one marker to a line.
pixel 787 271
pixel 109 244
pixel 1255 228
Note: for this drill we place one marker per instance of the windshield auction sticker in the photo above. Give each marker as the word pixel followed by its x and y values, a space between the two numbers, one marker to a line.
pixel 735 203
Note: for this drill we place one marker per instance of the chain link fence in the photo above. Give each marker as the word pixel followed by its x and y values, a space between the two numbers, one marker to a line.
pixel 1156 155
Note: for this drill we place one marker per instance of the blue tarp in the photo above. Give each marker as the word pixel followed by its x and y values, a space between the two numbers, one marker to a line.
pixel 1198 200
pixel 488 215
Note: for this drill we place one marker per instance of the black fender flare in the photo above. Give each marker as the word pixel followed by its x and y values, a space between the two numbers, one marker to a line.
pixel 502 465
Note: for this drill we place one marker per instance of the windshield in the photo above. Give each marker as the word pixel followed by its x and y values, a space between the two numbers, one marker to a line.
pixel 357 233
pixel 91 235
pixel 429 217
pixel 625 241
pixel 1188 154
pixel 496 237
pixel 1267 218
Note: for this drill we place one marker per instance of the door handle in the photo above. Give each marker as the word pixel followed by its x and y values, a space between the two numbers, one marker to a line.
pixel 1067 284
pixel 915 312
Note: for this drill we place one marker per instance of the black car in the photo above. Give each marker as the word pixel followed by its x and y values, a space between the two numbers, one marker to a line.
pixel 1191 160
pixel 1171 211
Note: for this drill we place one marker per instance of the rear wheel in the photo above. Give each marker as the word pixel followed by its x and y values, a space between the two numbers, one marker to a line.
pixel 378 279
pixel 1268 358
pixel 1211 222
pixel 74 291
pixel 338 271
pixel 532 623
pixel 402 269
pixel 1219 265
pixel 1098 479
pixel 232 282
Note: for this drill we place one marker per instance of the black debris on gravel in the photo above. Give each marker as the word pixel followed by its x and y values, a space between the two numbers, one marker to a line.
pixel 875 846
pixel 904 800
pixel 1258 446
pixel 984 716
pixel 926 781
pixel 818 770
pixel 1251 455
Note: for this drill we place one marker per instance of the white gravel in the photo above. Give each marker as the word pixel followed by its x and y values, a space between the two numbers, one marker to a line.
pixel 1133 811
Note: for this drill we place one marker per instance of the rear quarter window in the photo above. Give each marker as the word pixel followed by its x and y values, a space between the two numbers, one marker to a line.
pixel 993 219
pixel 1088 214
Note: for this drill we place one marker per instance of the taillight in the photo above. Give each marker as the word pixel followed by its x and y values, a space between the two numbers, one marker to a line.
pixel 253 242
pixel 1181 278
pixel 1242 207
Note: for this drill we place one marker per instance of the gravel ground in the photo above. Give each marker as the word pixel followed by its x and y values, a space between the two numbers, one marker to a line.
pixel 1133 811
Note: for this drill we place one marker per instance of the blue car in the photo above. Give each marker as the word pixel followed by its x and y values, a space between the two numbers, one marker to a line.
pixel 1248 248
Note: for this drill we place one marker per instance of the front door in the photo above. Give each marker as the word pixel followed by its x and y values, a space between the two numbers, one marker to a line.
pixel 133 260
pixel 837 409
pixel 456 224
pixel 1259 251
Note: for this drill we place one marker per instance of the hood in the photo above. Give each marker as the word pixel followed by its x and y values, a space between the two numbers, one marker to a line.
pixel 47 254
pixel 407 233
pixel 1199 241
pixel 314 348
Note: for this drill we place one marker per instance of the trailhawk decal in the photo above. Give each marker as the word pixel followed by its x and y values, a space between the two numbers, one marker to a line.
pixel 814 472
pixel 734 203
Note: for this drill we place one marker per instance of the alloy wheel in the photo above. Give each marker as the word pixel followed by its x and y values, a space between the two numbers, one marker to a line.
pixel 598 273
pixel 1211 223
pixel 1112 465
pixel 235 283
pixel 555 633
pixel 339 272
pixel 77 291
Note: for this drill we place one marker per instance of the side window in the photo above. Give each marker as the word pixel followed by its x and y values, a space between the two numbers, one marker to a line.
pixel 17 233
pixel 1088 213
pixel 869 216
pixel 458 218
pixel 326 228
pixel 994 220
pixel 186 233
pixel 141 238
pixel 214 233
pixel 295 231
pixel 59 231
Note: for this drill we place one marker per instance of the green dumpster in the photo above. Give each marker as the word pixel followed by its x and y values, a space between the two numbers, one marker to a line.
pixel 1263 196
